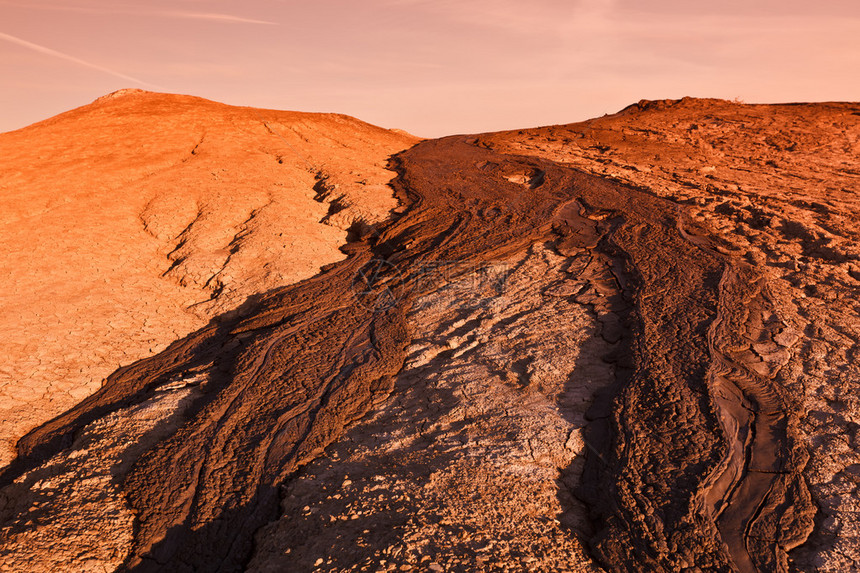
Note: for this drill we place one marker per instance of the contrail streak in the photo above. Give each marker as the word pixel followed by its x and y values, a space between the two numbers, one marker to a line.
pixel 44 50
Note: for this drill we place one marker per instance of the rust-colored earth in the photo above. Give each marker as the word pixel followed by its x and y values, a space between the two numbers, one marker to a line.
pixel 236 341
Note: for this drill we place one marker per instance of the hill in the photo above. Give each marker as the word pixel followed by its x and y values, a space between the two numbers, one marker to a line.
pixel 132 221
pixel 625 344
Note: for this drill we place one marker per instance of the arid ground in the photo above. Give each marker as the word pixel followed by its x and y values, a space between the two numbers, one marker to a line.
pixel 244 339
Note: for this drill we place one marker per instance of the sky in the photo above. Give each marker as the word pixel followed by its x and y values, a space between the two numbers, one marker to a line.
pixel 431 67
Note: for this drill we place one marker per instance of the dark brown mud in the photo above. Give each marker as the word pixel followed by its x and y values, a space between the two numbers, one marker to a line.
pixel 695 465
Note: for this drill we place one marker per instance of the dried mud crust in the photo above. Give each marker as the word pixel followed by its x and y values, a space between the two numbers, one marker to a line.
pixel 780 184
pixel 470 464
pixel 694 451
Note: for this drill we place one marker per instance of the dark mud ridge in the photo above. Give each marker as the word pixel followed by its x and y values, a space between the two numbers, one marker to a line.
pixel 694 459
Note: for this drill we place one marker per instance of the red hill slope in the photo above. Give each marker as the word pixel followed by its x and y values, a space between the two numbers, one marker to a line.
pixel 626 344
pixel 132 221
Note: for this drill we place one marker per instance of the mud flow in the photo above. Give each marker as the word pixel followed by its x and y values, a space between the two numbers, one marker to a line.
pixel 678 446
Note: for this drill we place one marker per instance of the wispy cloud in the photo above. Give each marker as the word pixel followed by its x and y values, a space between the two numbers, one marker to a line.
pixel 216 17
pixel 211 16
pixel 69 58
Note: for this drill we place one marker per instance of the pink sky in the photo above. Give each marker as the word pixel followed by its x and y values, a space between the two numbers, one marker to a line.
pixel 432 67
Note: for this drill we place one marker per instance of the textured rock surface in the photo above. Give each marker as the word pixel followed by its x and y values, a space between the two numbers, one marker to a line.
pixel 130 222
pixel 781 185
pixel 654 366
pixel 462 466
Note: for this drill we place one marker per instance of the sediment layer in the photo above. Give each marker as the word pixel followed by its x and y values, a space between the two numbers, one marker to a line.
pixel 695 456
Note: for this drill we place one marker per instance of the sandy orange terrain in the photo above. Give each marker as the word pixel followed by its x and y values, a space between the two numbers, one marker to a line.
pixel 241 343
pixel 130 222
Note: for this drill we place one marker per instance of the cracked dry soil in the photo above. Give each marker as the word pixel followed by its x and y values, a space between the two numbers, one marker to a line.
pixel 577 356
